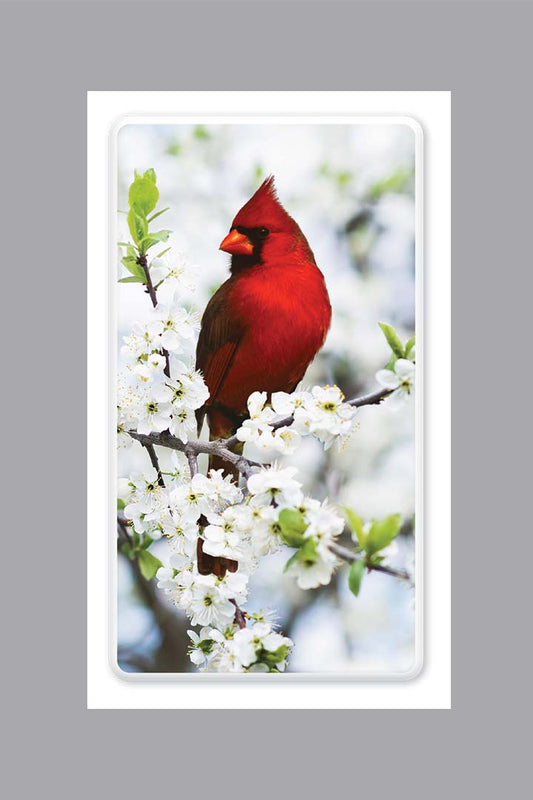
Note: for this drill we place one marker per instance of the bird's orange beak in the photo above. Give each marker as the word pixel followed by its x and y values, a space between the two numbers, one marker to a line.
pixel 237 244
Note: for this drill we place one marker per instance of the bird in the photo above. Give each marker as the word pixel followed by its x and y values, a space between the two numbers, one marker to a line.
pixel 262 327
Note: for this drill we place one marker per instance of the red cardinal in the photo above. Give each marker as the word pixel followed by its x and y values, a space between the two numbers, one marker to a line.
pixel 263 326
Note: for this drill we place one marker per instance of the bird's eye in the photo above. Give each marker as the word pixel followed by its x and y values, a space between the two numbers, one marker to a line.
pixel 263 232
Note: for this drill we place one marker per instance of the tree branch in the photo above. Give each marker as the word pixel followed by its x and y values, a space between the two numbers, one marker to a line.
pixel 347 555
pixel 193 448
pixel 223 447
pixel 372 399
pixel 192 459
pixel 365 400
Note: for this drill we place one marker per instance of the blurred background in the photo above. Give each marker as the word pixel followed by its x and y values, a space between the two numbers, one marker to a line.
pixel 351 190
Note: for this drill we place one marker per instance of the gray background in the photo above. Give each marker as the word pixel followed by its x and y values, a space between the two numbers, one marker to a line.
pixel 51 54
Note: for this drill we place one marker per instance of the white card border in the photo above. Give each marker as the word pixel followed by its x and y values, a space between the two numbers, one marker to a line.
pixel 107 687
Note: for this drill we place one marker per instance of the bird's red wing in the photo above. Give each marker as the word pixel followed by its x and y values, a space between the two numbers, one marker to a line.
pixel 219 338
pixel 217 366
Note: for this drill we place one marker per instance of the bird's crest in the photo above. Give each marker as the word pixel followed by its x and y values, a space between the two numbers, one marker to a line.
pixel 264 209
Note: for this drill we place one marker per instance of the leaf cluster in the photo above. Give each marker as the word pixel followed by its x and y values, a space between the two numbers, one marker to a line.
pixel 292 527
pixel 398 349
pixel 379 535
pixel 143 195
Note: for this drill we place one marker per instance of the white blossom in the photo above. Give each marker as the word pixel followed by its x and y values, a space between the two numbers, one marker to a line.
pixel 166 580
pixel 324 525
pixel 312 572
pixel 150 370
pixel 139 344
pixel 171 324
pixel 182 423
pixel 188 387
pixel 400 380
pixel 264 527
pixel 259 419
pixel 321 412
pixel 151 409
pixel 209 603
pixel 201 646
pixel 276 484
pixel 223 535
pixel 148 500
pixel 250 649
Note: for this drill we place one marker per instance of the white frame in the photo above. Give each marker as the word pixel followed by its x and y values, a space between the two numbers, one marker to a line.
pixel 107 685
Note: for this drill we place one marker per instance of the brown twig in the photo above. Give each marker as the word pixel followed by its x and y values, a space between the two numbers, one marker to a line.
pixel 141 260
pixel 155 462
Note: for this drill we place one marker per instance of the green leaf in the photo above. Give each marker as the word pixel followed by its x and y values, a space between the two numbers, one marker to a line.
pixel 356 524
pixel 293 526
pixel 157 214
pixel 275 656
pixel 132 279
pixel 381 533
pixel 137 225
pixel 143 195
pixel 392 338
pixel 162 253
pixel 148 564
pixel 307 552
pixel 121 505
pixel 409 346
pixel 355 576
pixel 150 174
pixel 146 542
pixel 152 238
pixel 133 267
